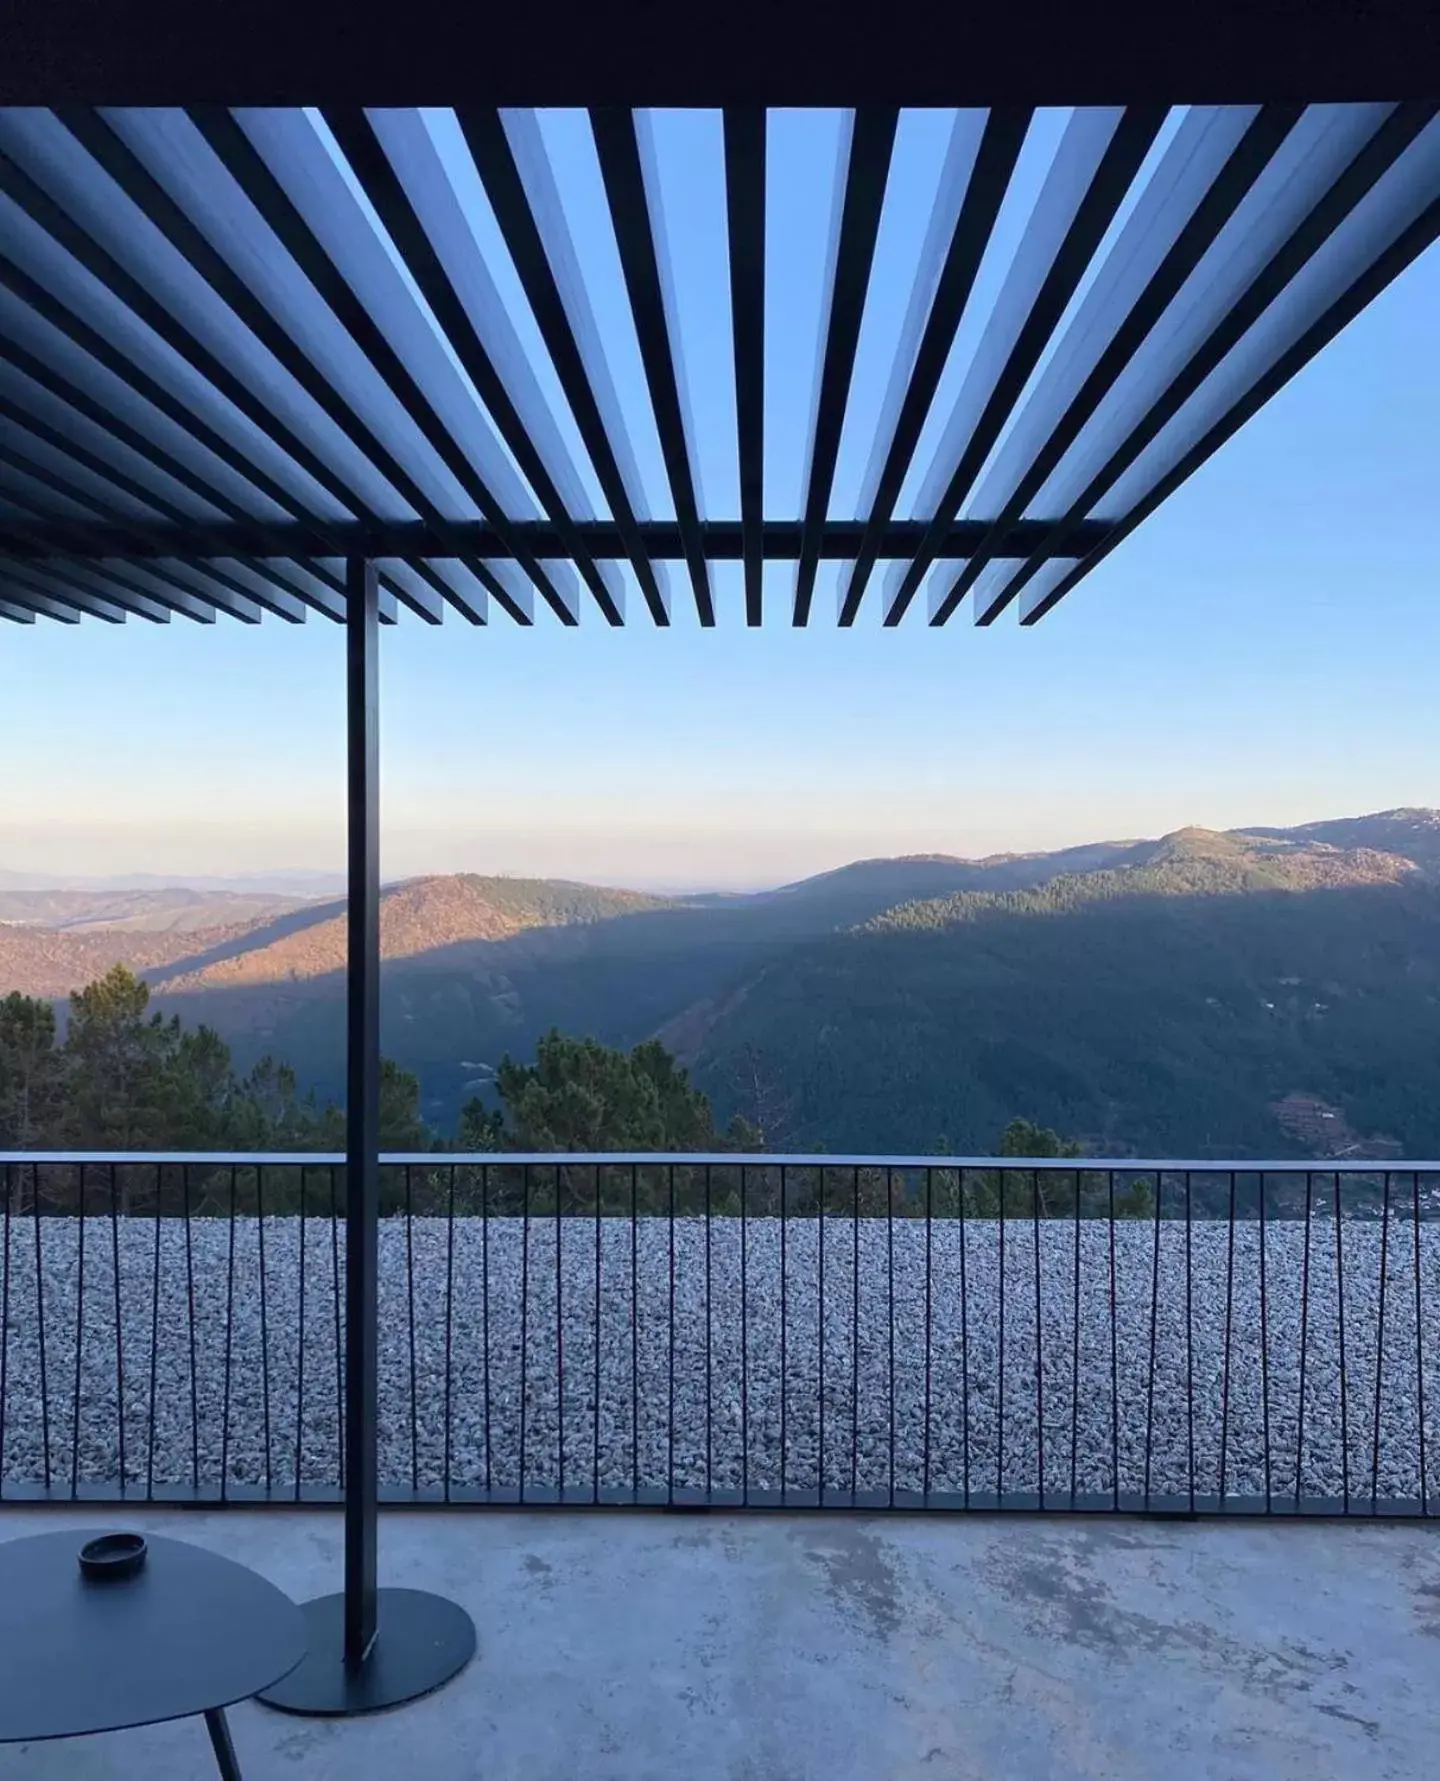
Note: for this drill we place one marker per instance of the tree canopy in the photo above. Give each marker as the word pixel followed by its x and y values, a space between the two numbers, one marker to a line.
pixel 580 1095
pixel 125 1079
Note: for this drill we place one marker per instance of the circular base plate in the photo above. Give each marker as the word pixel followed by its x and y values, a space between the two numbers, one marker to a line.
pixel 421 1642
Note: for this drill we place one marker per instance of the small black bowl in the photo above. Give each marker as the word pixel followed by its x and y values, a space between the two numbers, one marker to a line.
pixel 112 1557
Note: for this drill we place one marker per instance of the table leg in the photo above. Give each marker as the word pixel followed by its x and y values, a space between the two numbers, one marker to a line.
pixel 220 1740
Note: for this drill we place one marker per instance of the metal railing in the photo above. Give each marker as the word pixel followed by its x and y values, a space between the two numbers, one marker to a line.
pixel 730 1331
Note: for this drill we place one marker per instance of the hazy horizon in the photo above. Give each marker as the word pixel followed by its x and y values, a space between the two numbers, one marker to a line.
pixel 328 878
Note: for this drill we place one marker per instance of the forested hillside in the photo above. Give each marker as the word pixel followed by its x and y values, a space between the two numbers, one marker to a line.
pixel 1260 992
pixel 1152 1024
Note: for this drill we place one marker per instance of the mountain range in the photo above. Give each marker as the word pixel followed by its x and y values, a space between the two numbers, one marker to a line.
pixel 1247 993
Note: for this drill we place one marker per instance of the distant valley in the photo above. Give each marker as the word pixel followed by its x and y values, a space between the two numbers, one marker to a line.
pixel 1257 992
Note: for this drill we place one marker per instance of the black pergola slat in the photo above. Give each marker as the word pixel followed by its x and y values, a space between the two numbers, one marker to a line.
pixel 247 166
pixel 745 238
pixel 495 161
pixel 26 604
pixel 131 588
pixel 618 146
pixel 89 340
pixel 100 141
pixel 1121 161
pixel 1370 164
pixel 1254 152
pixel 128 541
pixel 1402 252
pixel 194 532
pixel 77 599
pixel 871 145
pixel 249 532
pixel 371 166
pixel 990 177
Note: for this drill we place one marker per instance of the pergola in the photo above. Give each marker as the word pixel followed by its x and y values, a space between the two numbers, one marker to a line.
pixel 256 360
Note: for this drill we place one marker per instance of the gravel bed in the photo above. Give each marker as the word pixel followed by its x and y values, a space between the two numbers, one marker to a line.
pixel 917 1376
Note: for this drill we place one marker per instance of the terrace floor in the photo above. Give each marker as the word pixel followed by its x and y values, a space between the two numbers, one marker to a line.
pixel 638 1647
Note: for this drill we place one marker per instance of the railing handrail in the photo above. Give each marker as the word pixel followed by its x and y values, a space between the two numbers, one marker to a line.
pixel 729 1160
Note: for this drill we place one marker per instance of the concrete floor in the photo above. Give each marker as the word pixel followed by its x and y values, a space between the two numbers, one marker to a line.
pixel 628 1647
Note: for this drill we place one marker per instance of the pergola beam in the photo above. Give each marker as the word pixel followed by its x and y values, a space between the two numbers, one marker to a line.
pixel 722 540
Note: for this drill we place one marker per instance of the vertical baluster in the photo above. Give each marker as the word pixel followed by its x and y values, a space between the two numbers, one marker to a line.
pixel 1039 1343
pixel 890 1311
pixel 1114 1353
pixel 119 1325
pixel 1419 1342
pixel 783 1335
pixel 301 1247
pixel 264 1323
pixel 1264 1352
pixel 1075 1355
pixel 855 1342
pixel 595 1400
pixel 670 1358
pixel 40 1326
pixel 1344 1382
pixel 929 1214
pixel 709 1344
pixel 229 1339
pixel 485 1311
pixel 1304 1343
pixel 559 1348
pixel 338 1307
pixel 449 1323
pixel 1189 1342
pixel 1380 1340
pixel 153 1341
pixel 1001 1222
pixel 634 1336
pixel 1229 1318
pixel 410 1312
pixel 79 1341
pixel 744 1344
pixel 964 1350
pixel 820 1334
pixel 4 1326
pixel 1154 1331
pixel 190 1325
pixel 524 1312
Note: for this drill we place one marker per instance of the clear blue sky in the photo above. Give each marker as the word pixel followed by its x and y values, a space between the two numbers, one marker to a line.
pixel 1266 649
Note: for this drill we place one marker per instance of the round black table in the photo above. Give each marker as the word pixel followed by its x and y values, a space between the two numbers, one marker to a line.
pixel 191 1633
